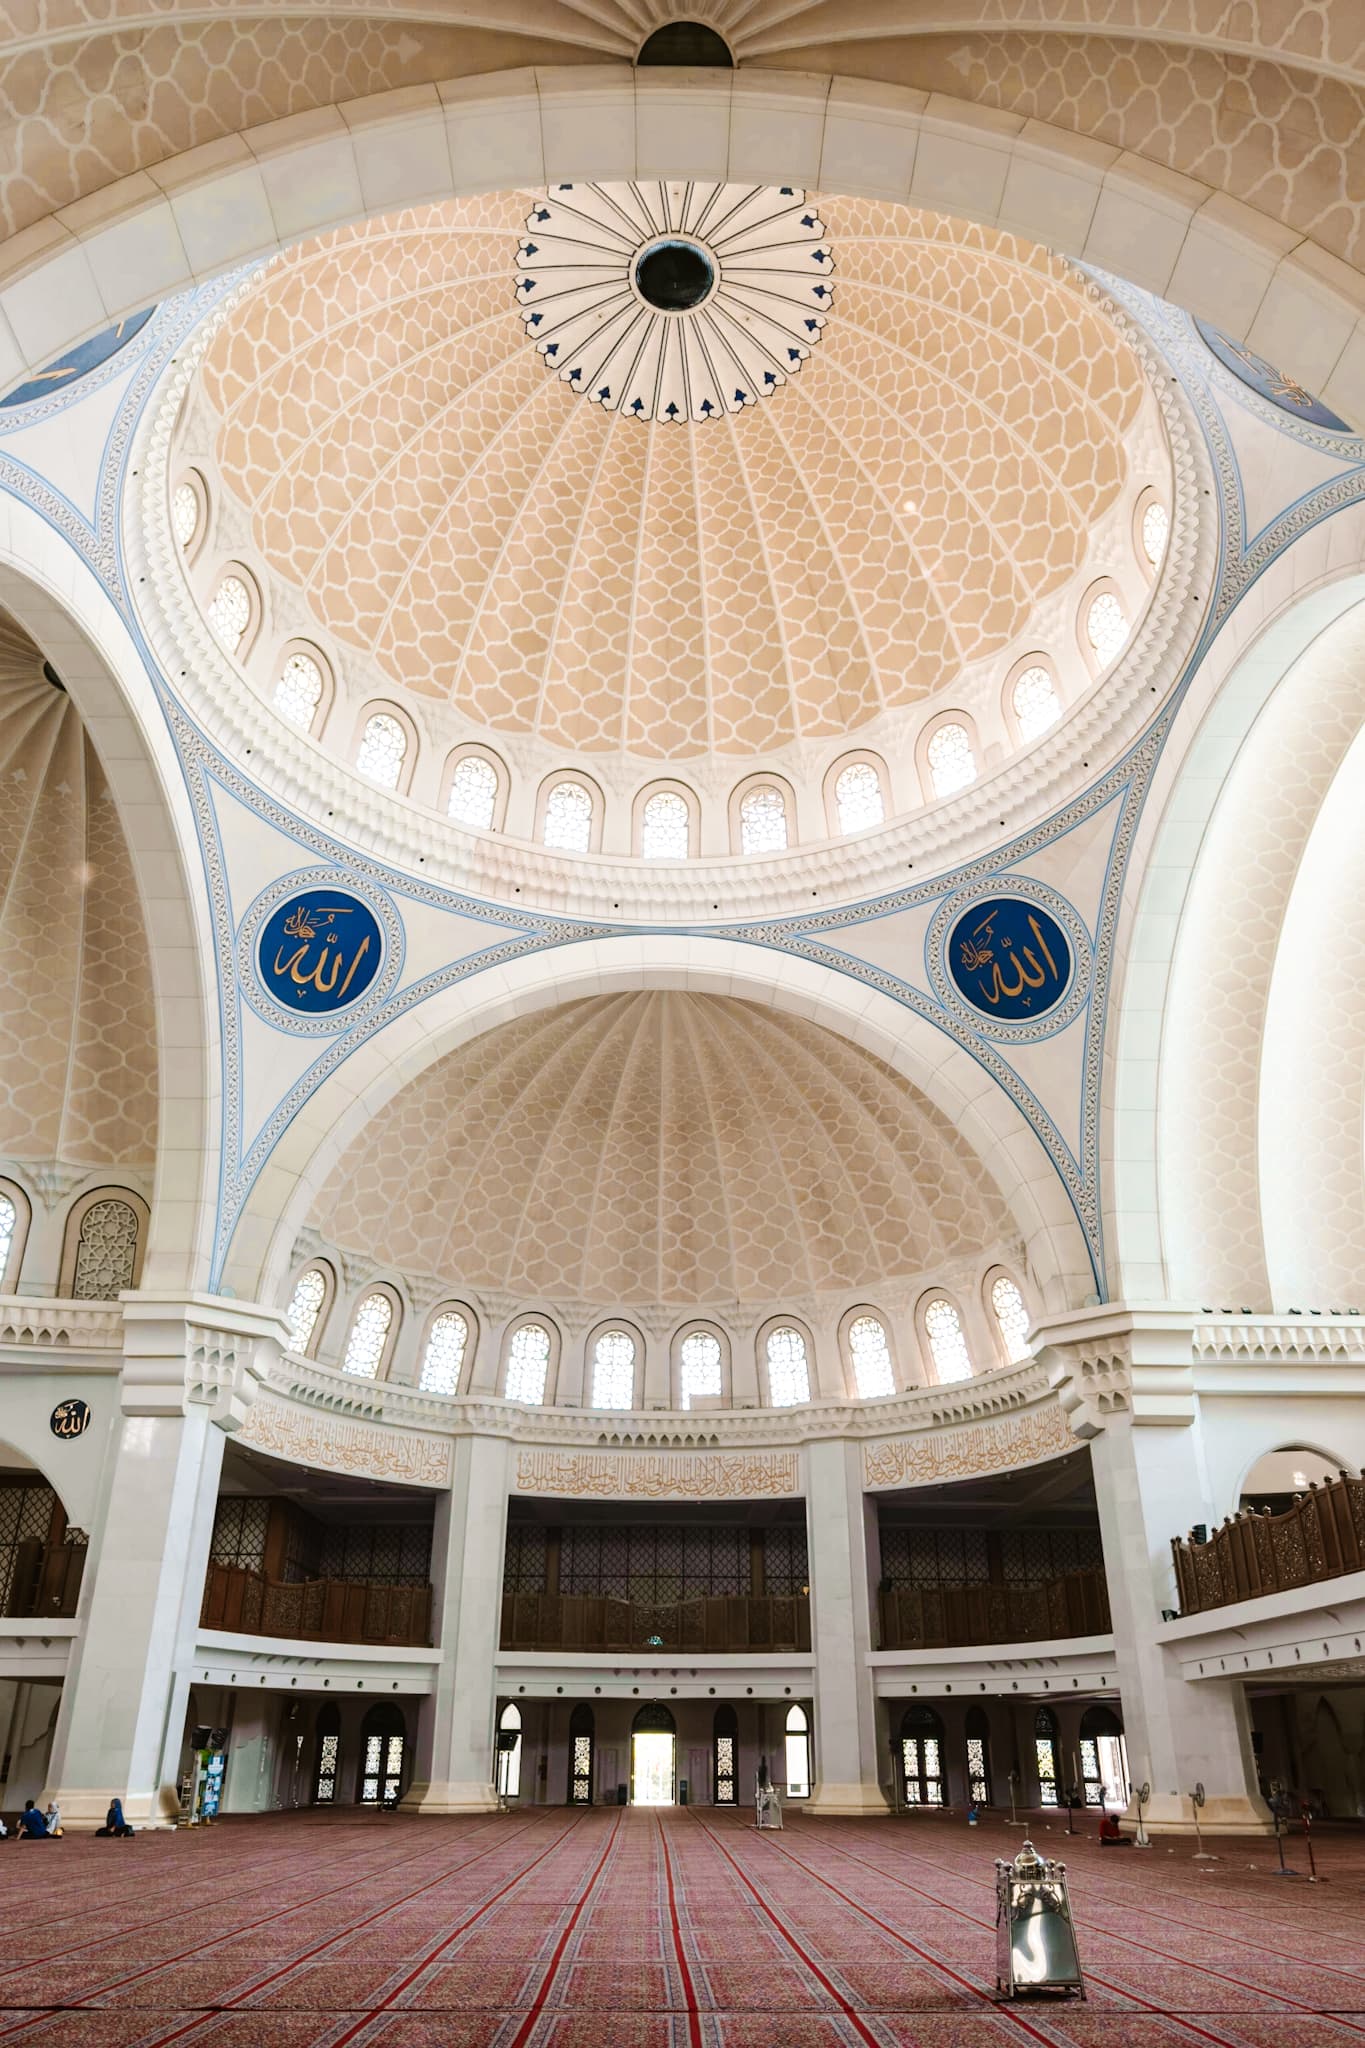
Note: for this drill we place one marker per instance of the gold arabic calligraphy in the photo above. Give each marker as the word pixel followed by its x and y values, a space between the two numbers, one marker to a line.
pixel 305 925
pixel 979 952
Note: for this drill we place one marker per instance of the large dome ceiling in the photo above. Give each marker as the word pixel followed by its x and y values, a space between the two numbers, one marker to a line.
pixel 485 536
pixel 661 1147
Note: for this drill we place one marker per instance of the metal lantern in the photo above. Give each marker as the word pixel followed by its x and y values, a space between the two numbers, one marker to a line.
pixel 1035 1938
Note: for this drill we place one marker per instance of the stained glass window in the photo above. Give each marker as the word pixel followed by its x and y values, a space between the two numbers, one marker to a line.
pixel 106 1251
pixel 310 1291
pixel 1035 701
pixel 369 1334
pixel 1156 527
pixel 788 1368
pixel 943 1327
pixel 184 513
pixel 528 1364
pixel 9 1222
pixel 873 1373
pixel 952 764
pixel 798 1754
pixel 444 1355
pixel 383 750
pixel 329 1758
pixel 1106 626
pixel 568 818
pixel 763 821
pixel 858 797
pixel 699 1363
pixel 473 792
pixel 613 1370
pixel 230 612
pixel 1012 1317
pixel 665 827
pixel 298 691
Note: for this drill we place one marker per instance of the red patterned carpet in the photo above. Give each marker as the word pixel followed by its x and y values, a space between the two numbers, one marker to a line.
pixel 623 1929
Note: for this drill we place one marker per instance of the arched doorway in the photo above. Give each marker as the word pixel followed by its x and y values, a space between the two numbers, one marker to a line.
pixel 978 1756
pixel 581 1738
pixel 798 1753
pixel 653 1757
pixel 725 1755
pixel 1104 1759
pixel 1047 1757
pixel 327 1767
pixel 509 1752
pixel 922 1757
pixel 383 1750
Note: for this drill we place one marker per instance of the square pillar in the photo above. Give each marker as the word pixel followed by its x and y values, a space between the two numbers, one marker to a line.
pixel 848 1769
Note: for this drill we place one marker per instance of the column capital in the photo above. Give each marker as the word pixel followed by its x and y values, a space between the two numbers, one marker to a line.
pixel 1111 1360
pixel 205 1349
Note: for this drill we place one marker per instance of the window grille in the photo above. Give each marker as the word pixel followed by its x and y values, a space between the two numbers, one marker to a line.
pixel 763 821
pixel 298 690
pixel 978 1773
pixel 524 1563
pixel 665 827
pixel 788 1368
pixel 383 1774
pixel 473 792
pixel 184 513
pixel 786 1569
pixel 952 764
pixel 947 1344
pixel 1106 627
pixel 329 1760
pixel 444 1356
pixel 568 819
pixel 9 1223
pixel 1035 701
pixel 310 1291
pixel 25 1516
pixel 239 1532
pixel 613 1370
pixel 699 1376
pixel 383 750
pixel 230 613
pixel 873 1373
pixel 528 1364
pixel 106 1252
pixel 1156 527
pixel 858 797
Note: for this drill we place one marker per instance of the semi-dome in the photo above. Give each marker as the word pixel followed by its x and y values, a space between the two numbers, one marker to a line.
pixel 661 1146
pixel 842 507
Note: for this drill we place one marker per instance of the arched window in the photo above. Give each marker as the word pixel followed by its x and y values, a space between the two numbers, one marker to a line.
pixel 1104 1758
pixel 1034 701
pixel 798 1753
pixel 1046 1757
pixel 1106 627
pixel 952 764
pixel 473 798
pixel 230 612
pixel 725 1738
pixel 9 1224
pixel 873 1373
pixel 305 1308
pixel 1012 1318
pixel 1156 531
pixel 581 1729
pixel 369 1338
pixel 328 1766
pixel 613 1370
pixel 858 797
pixel 978 1756
pixel 763 820
pixel 788 1367
pixel 922 1757
pixel 298 689
pixel 509 1752
pixel 103 1253
pixel 185 513
pixel 947 1344
pixel 665 827
pixel 443 1357
pixel 383 750
pixel 14 1222
pixel 568 819
pixel 699 1368
pixel 528 1364
pixel 383 1741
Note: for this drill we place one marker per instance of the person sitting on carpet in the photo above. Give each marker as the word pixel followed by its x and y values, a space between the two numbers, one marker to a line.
pixel 114 1823
pixel 1110 1835
pixel 32 1822
pixel 53 1817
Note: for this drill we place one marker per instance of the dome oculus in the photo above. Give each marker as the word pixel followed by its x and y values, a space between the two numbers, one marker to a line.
pixel 674 301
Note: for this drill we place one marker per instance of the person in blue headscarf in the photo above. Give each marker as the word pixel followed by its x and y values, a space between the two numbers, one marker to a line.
pixel 114 1823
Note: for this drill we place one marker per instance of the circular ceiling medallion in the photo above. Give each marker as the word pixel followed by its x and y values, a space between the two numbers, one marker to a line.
pixel 676 301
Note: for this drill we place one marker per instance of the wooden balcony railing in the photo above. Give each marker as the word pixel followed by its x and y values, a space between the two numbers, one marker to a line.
pixel 1320 1537
pixel 46 1580
pixel 723 1622
pixel 958 1617
pixel 316 1610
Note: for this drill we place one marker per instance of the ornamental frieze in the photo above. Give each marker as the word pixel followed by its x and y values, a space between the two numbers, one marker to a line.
pixel 632 1475
pixel 964 1452
pixel 341 1445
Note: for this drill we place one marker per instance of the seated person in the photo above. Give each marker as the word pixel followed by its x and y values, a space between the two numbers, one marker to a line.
pixel 114 1823
pixel 53 1817
pixel 1110 1835
pixel 32 1822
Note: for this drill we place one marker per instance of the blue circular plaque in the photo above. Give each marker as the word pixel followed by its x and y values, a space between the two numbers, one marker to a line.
pixel 1009 958
pixel 318 951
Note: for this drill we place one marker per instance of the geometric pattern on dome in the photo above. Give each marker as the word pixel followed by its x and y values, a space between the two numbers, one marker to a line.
pixel 674 301
pixel 786 574
pixel 661 1146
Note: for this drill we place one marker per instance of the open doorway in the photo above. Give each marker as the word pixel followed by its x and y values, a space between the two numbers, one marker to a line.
pixel 653 1758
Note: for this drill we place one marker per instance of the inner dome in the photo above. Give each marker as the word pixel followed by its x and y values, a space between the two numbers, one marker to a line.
pixel 913 505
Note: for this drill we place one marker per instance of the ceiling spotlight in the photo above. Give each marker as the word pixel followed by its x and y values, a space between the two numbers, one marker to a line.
pixel 909 508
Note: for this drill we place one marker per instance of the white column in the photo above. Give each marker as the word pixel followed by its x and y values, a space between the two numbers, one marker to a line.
pixel 849 1772
pixel 455 1747
pixel 189 1373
